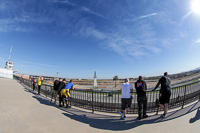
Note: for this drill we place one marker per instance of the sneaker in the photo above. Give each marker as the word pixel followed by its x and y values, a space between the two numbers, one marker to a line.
pixel 145 116
pixel 122 115
pixel 162 116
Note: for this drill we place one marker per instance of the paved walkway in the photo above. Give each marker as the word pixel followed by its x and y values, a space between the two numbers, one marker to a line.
pixel 23 111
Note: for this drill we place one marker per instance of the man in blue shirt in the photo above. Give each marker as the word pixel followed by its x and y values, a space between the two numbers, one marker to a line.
pixel 70 85
pixel 65 92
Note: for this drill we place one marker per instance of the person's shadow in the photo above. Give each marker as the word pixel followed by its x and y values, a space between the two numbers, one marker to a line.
pixel 107 122
pixel 197 116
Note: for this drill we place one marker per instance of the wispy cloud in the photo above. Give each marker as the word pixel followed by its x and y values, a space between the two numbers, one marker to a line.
pixel 46 65
pixel 185 17
pixel 82 8
pixel 92 12
pixel 21 17
pixel 142 17
pixel 148 15
pixel 197 43
pixel 134 41
pixel 194 45
pixel 66 2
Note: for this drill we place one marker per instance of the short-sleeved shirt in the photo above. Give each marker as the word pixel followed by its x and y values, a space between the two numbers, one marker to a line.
pixel 165 85
pixel 126 87
pixel 69 85
pixel 39 81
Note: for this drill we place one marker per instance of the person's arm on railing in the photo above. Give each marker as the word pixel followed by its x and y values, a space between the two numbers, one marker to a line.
pixel 157 85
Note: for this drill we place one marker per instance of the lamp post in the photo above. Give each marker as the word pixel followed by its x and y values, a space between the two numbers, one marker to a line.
pixel 95 80
pixel 57 74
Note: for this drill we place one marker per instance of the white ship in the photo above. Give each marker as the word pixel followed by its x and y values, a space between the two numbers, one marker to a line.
pixel 7 72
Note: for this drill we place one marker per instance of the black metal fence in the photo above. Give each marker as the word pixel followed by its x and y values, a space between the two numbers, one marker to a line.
pixel 110 101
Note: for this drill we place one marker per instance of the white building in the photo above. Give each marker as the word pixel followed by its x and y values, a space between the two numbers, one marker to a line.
pixel 7 72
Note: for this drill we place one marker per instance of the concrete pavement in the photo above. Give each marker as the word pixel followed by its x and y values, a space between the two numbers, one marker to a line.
pixel 23 111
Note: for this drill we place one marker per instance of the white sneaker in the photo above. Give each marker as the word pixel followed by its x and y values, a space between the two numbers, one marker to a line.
pixel 122 115
pixel 162 116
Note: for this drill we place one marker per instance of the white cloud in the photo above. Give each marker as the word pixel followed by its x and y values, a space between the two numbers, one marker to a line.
pixel 92 12
pixel 148 15
pixel 82 8
pixel 133 41
pixel 142 17
pixel 197 43
pixel 185 17
pixel 46 65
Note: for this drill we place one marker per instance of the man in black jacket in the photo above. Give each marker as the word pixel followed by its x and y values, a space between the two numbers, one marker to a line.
pixel 165 92
pixel 60 87
pixel 55 89
pixel 141 88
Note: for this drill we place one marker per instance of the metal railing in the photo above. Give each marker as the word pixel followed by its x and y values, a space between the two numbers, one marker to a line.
pixel 110 101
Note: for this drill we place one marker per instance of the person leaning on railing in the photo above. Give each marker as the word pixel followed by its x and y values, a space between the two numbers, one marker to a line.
pixel 60 87
pixel 39 82
pixel 55 90
pixel 126 97
pixel 65 94
pixel 165 92
pixel 141 88
pixel 34 81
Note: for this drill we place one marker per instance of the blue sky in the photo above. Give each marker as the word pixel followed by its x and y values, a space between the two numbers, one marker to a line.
pixel 126 38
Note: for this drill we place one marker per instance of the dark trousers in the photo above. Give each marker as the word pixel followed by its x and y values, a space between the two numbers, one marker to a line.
pixel 33 87
pixel 61 100
pixel 142 103
pixel 39 86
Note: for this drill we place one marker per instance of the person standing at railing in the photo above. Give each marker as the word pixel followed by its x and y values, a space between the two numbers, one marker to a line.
pixel 55 90
pixel 126 100
pixel 60 87
pixel 141 87
pixel 39 82
pixel 65 92
pixel 34 81
pixel 165 93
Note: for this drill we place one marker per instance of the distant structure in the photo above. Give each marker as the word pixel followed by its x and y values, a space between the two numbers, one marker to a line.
pixel 9 65
pixel 7 72
pixel 95 80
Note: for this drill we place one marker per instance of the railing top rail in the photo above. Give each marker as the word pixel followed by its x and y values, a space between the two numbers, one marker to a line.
pixel 118 91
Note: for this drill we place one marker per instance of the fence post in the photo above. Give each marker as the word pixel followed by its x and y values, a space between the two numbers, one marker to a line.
pixel 184 97
pixel 52 93
pixel 46 90
pixel 92 102
pixel 199 91
pixel 70 102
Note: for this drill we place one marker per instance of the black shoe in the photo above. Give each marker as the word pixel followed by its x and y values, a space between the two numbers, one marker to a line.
pixel 163 115
pixel 139 118
pixel 60 105
pixel 67 106
pixel 145 116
